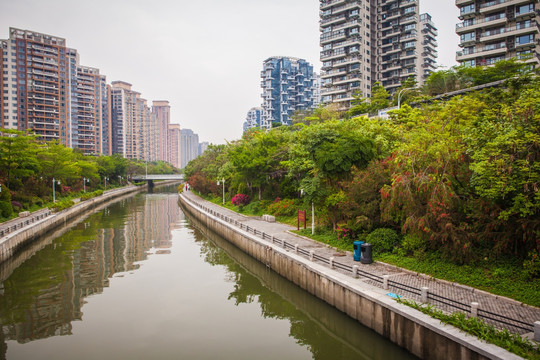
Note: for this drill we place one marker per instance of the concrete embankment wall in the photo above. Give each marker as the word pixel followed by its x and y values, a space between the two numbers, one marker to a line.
pixel 422 335
pixel 11 243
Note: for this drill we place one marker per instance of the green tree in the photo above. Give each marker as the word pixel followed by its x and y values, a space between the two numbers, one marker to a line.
pixel 18 157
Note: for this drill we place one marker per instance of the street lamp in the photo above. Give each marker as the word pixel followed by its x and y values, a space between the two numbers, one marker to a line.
pixel 53 189
pixel 399 96
pixel 105 180
pixel 223 182
pixel 85 180
pixel 312 214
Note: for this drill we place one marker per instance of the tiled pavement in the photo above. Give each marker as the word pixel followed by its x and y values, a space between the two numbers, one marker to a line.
pixel 499 311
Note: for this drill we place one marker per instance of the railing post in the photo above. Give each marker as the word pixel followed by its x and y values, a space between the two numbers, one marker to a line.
pixel 331 262
pixel 424 294
pixel 385 282
pixel 296 248
pixel 355 271
pixel 537 331
pixel 310 255
pixel 474 309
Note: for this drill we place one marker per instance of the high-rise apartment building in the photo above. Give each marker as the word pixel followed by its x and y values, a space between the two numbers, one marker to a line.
pixel 491 31
pixel 253 118
pixel 35 84
pixel 88 108
pixel 190 147
pixel 367 41
pixel 161 110
pixel 288 85
pixel 203 146
pixel 131 122
pixel 47 91
pixel 175 145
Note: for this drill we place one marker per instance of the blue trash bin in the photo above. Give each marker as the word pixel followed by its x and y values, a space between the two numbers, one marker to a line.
pixel 357 252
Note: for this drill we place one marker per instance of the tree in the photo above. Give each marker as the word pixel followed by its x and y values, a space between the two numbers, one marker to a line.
pixel 18 156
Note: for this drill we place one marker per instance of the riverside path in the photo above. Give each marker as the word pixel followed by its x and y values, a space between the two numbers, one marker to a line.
pixel 502 312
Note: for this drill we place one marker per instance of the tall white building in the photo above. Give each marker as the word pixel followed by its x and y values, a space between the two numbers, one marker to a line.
pixel 491 31
pixel 367 41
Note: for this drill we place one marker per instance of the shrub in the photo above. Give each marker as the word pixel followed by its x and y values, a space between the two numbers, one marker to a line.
pixel 383 240
pixel 63 204
pixel 17 206
pixel 412 244
pixel 283 207
pixel 240 200
pixel 6 209
pixel 90 195
pixel 531 266
pixel 346 234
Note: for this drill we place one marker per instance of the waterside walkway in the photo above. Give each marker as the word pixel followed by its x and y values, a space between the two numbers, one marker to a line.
pixel 502 312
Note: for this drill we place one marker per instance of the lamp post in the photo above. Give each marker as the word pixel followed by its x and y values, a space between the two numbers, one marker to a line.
pixel 85 180
pixel 312 214
pixel 53 189
pixel 223 182
pixel 399 96
pixel 105 181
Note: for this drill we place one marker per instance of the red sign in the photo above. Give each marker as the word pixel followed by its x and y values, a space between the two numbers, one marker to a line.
pixel 301 216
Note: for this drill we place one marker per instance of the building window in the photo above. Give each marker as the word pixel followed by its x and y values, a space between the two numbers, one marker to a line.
pixel 525 39
pixel 523 9
pixel 466 9
pixel 468 37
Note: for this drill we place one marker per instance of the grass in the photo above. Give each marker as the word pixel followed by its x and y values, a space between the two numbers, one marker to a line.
pixel 474 326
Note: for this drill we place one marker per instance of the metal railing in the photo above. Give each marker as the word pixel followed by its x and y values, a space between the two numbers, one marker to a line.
pixel 356 271
pixel 17 224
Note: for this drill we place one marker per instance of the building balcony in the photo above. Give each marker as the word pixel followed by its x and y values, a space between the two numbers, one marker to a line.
pixel 393 50
pixel 334 19
pixel 408 3
pixel 342 8
pixel 409 56
pixel 408 37
pixel 464 2
pixel 500 4
pixel 470 25
pixel 408 20
pixel 511 31
pixel 332 36
pixel 329 3
pixel 481 52
pixel 467 13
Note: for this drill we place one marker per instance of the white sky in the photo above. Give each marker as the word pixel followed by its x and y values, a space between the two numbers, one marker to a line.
pixel 204 57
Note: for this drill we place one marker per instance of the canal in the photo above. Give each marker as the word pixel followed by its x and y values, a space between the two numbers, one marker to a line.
pixel 138 280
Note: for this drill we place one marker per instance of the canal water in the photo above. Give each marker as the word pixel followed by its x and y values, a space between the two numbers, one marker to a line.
pixel 139 280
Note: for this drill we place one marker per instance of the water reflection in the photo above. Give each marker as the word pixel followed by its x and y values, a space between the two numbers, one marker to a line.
pixel 42 297
pixel 144 239
pixel 325 331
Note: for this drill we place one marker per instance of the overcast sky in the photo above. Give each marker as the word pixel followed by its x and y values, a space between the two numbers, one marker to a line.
pixel 204 57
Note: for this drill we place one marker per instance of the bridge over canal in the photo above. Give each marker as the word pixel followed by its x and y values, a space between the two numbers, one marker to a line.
pixel 151 178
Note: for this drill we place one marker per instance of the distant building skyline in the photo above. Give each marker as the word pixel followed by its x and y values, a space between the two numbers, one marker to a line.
pixel 48 91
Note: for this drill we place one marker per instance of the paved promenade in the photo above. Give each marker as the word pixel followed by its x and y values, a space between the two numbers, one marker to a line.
pixel 500 311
